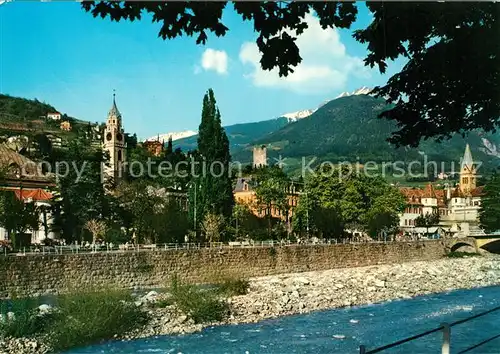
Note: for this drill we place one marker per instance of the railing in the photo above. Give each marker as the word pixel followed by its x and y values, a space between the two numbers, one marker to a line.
pixel 96 248
pixel 445 328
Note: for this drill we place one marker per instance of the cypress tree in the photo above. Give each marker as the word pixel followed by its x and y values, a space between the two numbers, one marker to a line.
pixel 214 194
pixel 170 146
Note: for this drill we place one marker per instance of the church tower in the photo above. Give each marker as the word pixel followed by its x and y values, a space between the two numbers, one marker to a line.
pixel 114 143
pixel 467 172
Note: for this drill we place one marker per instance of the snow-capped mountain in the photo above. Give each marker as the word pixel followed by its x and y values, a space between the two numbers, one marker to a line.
pixel 361 91
pixel 299 114
pixel 489 148
pixel 294 116
pixel 174 135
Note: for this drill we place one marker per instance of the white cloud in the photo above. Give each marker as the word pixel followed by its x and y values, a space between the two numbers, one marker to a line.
pixel 325 65
pixel 215 60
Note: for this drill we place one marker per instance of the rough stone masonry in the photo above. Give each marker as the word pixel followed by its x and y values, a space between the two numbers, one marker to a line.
pixel 34 275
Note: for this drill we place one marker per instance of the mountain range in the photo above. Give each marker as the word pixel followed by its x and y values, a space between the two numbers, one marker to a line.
pixel 243 134
pixel 292 117
pixel 346 129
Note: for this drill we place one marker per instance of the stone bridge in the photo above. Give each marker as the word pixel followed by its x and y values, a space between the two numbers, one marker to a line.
pixel 489 243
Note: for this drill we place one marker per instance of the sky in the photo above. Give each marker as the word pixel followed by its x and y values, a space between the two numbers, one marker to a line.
pixel 59 54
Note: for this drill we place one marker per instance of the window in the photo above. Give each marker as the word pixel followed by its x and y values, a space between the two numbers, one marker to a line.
pixel 465 180
pixel 119 155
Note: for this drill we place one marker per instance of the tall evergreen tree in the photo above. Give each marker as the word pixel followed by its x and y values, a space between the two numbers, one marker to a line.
pixel 490 211
pixel 82 194
pixel 170 146
pixel 214 192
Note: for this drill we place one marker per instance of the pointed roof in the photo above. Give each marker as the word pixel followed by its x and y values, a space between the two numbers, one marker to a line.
pixel 429 191
pixel 114 110
pixel 36 195
pixel 467 161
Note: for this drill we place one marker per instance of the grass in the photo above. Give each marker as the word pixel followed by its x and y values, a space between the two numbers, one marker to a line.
pixel 81 319
pixel 202 305
pixel 462 255
pixel 25 323
pixel 162 303
pixel 94 316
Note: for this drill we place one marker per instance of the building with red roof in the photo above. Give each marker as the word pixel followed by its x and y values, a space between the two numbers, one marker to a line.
pixel 24 178
pixel 458 207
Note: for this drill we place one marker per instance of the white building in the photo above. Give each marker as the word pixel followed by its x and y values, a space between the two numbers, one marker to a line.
pixel 458 206
pixel 42 200
pixel 54 116
pixel 29 184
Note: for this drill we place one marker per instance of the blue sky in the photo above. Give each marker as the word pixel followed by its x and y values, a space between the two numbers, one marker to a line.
pixel 60 54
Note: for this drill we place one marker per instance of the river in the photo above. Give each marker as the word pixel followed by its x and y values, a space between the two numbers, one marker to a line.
pixel 340 330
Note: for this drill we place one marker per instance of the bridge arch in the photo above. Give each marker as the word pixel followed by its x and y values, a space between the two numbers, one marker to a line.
pixel 455 247
pixel 492 247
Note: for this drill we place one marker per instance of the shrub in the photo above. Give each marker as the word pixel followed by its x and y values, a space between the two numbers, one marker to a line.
pixel 234 286
pixel 26 321
pixel 92 316
pixel 202 305
pixel 462 254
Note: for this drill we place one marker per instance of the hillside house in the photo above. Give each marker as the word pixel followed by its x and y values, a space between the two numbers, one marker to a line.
pixel 54 116
pixel 66 126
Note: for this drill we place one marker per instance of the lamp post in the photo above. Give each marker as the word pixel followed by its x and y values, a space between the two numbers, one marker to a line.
pixel 307 214
pixel 195 211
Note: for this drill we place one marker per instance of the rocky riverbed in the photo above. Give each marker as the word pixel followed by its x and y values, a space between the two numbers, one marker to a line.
pixel 280 295
pixel 286 294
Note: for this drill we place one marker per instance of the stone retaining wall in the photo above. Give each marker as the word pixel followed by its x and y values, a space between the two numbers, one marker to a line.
pixel 44 274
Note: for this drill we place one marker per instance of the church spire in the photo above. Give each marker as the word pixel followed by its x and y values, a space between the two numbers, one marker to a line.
pixel 467 161
pixel 467 173
pixel 114 110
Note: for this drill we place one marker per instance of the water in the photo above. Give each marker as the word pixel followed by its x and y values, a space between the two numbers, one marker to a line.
pixel 341 330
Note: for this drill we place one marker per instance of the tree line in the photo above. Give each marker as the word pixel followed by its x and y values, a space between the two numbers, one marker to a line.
pixel 201 207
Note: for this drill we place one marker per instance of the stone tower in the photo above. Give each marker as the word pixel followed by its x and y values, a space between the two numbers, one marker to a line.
pixel 114 143
pixel 260 156
pixel 467 172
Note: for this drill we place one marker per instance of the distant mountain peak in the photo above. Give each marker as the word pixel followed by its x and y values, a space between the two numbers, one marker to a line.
pixel 361 91
pixel 299 114
pixel 174 135
pixel 294 116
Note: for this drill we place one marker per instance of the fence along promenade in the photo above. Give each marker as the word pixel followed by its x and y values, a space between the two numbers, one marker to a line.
pixel 122 248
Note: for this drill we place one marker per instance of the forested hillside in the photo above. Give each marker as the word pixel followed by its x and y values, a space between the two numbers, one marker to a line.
pixel 239 135
pixel 348 129
pixel 23 108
